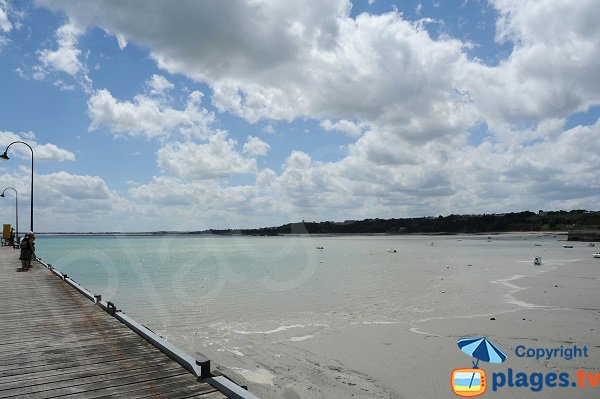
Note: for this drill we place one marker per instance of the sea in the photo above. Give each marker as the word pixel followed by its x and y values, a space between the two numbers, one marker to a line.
pixel 251 304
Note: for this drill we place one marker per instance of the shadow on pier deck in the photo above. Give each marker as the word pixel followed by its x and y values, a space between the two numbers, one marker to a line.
pixel 55 342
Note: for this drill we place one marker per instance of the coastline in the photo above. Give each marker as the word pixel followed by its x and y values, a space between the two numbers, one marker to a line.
pixel 208 234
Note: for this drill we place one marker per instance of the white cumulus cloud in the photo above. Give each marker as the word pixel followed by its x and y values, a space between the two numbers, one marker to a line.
pixel 158 84
pixel 149 117
pixel 350 128
pixel 551 72
pixel 216 159
pixel 42 152
pixel 66 57
pixel 255 146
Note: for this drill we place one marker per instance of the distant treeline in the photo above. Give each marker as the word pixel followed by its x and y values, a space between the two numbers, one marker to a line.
pixel 486 223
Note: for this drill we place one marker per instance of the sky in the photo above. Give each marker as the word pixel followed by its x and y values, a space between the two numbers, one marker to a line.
pixel 198 114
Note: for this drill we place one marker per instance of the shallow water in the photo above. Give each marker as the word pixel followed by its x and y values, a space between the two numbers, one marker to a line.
pixel 250 302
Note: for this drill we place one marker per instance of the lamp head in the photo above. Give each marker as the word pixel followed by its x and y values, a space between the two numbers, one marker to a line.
pixel 4 156
pixel 2 195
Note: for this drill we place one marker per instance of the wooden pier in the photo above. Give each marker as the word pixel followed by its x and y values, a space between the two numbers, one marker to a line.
pixel 55 342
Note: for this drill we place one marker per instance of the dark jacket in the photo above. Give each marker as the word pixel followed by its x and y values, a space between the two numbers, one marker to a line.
pixel 26 249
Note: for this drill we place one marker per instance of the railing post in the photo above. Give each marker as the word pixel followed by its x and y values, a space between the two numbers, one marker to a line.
pixel 204 364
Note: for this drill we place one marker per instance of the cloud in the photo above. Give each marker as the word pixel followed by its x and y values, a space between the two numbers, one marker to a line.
pixel 63 86
pixel 216 159
pixel 75 188
pixel 265 177
pixel 419 8
pixel 382 69
pixel 255 146
pixel 350 128
pixel 555 173
pixel 68 202
pixel 81 202
pixel 42 152
pixel 551 72
pixel 149 117
pixel 297 160
pixel 269 129
pixel 158 84
pixel 315 61
pixel 66 57
pixel 186 204
pixel 5 24
pixel 50 152
pixel 288 59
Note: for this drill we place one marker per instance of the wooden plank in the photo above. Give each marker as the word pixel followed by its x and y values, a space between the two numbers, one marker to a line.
pixel 69 368
pixel 82 385
pixel 173 387
pixel 56 343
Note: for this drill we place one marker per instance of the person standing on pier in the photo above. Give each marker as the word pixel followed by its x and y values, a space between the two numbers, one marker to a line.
pixel 27 250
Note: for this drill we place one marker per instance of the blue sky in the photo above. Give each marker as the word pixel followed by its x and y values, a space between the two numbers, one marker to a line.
pixel 200 114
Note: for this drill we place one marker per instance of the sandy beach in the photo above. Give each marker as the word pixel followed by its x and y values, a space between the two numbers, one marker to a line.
pixel 554 305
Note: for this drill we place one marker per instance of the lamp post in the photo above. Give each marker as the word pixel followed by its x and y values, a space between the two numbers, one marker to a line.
pixel 5 156
pixel 16 209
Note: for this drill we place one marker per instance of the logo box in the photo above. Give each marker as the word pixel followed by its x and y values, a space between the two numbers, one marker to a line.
pixel 468 382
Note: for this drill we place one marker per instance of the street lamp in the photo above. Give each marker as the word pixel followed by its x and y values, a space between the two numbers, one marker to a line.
pixel 5 156
pixel 16 209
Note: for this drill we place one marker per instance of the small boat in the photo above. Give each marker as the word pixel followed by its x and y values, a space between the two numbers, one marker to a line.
pixel 432 244
pixel 538 245
pixel 567 246
pixel 319 247
pixel 596 255
pixel 392 251
pixel 537 260
pixel 591 244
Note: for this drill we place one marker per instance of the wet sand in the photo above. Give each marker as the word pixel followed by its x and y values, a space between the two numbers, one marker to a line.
pixel 555 304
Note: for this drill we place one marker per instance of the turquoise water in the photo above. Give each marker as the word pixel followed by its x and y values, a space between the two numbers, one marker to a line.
pixel 234 275
pixel 246 302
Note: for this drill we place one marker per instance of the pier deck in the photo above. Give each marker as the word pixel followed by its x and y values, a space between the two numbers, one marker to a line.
pixel 54 342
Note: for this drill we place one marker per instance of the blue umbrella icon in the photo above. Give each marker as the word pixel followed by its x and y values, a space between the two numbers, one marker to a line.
pixel 481 349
